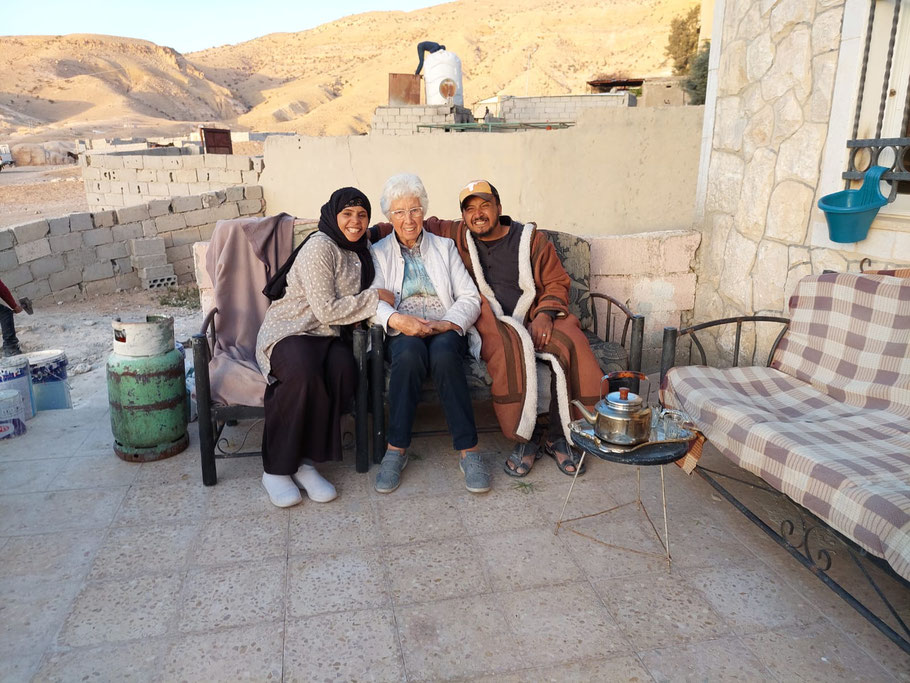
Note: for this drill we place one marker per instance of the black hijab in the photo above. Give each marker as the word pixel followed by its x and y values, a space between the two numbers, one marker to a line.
pixel 328 224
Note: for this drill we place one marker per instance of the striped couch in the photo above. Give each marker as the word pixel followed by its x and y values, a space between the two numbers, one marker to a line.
pixel 828 423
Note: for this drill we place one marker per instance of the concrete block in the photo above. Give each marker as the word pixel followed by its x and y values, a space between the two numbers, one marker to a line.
pixel 252 192
pixel 65 278
pixel 156 272
pixel 81 221
pixel 136 188
pixel 104 219
pixel 17 276
pixel 99 270
pixel 94 200
pixel 179 252
pixel 31 251
pixel 131 214
pixel 154 162
pixel 159 189
pixel 174 221
pixel 205 231
pixel 133 161
pixel 186 236
pixel 46 265
pixel 122 265
pixel 186 176
pixel 210 199
pixel 118 187
pixel 59 226
pixel 177 189
pixel 8 260
pixel 146 246
pixel 112 161
pixel 258 164
pixel 171 162
pixel 36 289
pixel 68 242
pixel 7 238
pixel 101 287
pixel 185 279
pixel 68 294
pixel 184 204
pixel 672 292
pixel 233 194
pixel 127 281
pixel 111 251
pixel 677 250
pixel 239 163
pixel 149 229
pixel 92 238
pixel 164 176
pixel 147 175
pixel 128 231
pixel 215 160
pixel 194 161
pixel 249 177
pixel 29 232
pixel 625 254
pixel 79 258
pixel 248 207
pixel 89 173
pixel 114 200
pixel 183 266
pixel 159 283
pixel 148 261
pixel 168 240
pixel 99 187
pixel 159 207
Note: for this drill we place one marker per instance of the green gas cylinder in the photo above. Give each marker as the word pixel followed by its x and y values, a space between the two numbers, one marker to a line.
pixel 147 390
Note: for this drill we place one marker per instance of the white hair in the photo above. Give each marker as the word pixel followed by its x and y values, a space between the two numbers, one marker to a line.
pixel 401 186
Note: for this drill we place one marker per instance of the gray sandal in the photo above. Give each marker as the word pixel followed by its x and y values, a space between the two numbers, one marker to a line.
pixel 516 457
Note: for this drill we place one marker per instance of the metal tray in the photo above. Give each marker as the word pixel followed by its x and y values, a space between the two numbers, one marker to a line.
pixel 586 431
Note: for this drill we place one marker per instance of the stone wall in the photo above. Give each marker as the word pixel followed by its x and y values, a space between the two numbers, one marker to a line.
pixel 775 67
pixel 559 107
pixel 652 273
pixel 90 254
pixel 126 179
pixel 404 119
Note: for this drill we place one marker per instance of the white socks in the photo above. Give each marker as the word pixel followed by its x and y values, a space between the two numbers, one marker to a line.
pixel 282 490
pixel 317 488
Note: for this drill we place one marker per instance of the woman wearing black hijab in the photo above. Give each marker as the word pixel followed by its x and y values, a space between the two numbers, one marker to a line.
pixel 306 359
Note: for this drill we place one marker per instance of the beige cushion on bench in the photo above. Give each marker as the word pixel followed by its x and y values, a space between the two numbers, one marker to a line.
pixel 833 431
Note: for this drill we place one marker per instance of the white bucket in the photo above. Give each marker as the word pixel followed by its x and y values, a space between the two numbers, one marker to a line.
pixel 48 369
pixel 442 74
pixel 12 414
pixel 143 337
pixel 15 374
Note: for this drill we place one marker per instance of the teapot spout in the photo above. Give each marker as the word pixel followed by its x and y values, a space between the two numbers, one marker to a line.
pixel 587 414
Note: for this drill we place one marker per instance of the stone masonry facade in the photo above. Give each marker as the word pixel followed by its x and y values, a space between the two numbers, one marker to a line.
pixel 91 254
pixel 775 82
pixel 403 120
pixel 128 179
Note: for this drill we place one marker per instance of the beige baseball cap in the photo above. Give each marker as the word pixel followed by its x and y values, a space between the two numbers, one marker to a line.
pixel 478 188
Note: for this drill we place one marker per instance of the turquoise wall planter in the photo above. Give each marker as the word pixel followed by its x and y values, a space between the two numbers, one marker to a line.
pixel 851 212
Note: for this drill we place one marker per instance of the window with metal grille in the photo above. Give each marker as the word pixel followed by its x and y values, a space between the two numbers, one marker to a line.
pixel 881 124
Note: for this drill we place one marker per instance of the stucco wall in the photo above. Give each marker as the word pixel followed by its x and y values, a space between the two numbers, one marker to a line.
pixel 775 73
pixel 559 107
pixel 619 171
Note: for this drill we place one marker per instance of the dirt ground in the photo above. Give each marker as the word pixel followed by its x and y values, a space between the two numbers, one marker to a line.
pixel 82 330
pixel 28 193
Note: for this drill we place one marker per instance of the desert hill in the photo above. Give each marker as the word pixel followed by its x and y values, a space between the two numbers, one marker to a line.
pixel 327 80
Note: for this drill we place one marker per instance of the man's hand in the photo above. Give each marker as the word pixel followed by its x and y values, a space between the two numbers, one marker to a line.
pixel 440 326
pixel 17 309
pixel 541 329
pixel 410 325
pixel 387 296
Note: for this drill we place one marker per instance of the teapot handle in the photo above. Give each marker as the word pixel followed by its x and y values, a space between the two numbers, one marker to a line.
pixel 623 374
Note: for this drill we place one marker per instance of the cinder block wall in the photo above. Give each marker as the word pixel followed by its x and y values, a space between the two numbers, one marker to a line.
pixel 89 254
pixel 404 120
pixel 128 179
pixel 559 107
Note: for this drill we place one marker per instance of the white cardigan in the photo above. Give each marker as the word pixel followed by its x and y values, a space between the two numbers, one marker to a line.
pixel 454 286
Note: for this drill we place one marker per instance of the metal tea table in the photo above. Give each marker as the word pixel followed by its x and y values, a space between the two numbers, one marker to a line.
pixel 658 453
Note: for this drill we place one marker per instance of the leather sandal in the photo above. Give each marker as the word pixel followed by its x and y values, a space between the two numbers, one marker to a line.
pixel 517 456
pixel 561 446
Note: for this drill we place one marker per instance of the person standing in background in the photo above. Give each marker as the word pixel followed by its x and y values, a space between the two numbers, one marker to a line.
pixel 7 323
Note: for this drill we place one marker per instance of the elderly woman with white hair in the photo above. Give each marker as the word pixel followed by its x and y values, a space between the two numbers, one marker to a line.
pixel 428 328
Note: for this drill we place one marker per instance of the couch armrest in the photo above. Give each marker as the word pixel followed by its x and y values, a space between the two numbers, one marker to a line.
pixel 621 326
pixel 672 335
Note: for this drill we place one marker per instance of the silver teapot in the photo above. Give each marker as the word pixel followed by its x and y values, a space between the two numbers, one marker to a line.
pixel 620 417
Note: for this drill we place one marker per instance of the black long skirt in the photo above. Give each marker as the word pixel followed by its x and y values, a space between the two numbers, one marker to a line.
pixel 316 379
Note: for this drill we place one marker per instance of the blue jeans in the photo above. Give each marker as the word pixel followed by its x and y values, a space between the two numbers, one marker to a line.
pixel 442 356
pixel 8 328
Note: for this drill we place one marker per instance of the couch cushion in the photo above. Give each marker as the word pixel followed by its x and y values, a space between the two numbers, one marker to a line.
pixel 849 337
pixel 849 466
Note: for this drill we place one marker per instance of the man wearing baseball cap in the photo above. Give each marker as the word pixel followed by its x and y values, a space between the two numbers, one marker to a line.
pixel 524 322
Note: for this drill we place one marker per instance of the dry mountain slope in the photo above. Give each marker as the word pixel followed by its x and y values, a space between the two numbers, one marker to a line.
pixel 327 80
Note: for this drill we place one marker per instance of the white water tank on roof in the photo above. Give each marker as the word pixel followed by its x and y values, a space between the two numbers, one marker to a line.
pixel 442 75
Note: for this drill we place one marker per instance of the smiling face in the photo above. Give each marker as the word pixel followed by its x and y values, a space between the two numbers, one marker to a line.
pixel 406 215
pixel 353 222
pixel 481 215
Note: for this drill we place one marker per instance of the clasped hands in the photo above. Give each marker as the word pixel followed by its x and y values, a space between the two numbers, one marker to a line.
pixel 413 326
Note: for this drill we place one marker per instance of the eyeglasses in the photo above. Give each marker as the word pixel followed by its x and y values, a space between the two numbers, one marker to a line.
pixel 416 212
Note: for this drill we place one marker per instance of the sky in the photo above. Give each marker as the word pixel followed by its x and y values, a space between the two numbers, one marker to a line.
pixel 186 25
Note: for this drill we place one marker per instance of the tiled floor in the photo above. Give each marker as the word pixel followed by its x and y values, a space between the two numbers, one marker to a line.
pixel 117 571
